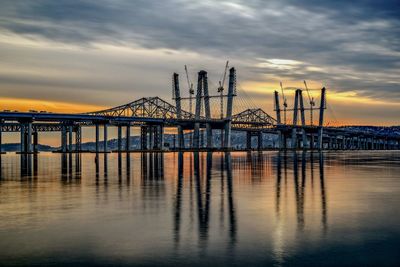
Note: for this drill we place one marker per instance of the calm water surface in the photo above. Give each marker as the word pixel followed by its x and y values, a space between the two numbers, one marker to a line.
pixel 253 209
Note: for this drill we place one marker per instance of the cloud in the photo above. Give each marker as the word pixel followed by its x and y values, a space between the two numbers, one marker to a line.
pixel 97 45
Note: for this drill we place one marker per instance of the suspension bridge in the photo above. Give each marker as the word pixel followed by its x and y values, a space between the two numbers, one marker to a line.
pixel 153 115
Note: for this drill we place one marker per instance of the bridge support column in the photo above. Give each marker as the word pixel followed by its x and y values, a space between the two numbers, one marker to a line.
pixel 285 141
pixel 22 138
pixel 196 136
pixel 221 138
pixel 78 138
pixel 181 138
pixel 69 138
pixel 1 138
pixel 119 138
pixel 191 138
pixel 160 137
pixel 312 142
pixel 105 137
pixel 248 140
pixel 97 138
pixel 260 141
pixel 143 137
pixel 280 140
pixel 35 141
pixel 202 138
pixel 29 138
pixel 151 137
pixel 63 139
pixel 128 138
pixel 157 137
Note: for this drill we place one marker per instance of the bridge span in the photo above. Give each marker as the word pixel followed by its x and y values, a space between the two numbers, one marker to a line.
pixel 153 115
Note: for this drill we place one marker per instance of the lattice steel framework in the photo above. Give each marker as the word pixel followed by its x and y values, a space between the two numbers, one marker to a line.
pixel 146 107
pixel 253 118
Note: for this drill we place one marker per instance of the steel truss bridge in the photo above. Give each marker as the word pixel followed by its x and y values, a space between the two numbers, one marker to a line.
pixel 152 115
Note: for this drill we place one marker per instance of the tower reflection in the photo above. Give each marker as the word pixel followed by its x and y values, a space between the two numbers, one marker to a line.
pixel 300 185
pixel 201 181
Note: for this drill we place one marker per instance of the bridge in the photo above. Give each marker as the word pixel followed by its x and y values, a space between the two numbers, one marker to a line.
pixel 153 115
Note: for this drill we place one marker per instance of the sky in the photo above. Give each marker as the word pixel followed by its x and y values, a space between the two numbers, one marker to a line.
pixel 75 56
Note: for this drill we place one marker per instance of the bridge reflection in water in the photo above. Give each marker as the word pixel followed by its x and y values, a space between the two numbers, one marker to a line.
pixel 196 173
pixel 209 196
pixel 246 208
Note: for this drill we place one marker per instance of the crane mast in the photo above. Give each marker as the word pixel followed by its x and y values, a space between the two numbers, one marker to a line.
pixel 312 103
pixel 191 90
pixel 221 91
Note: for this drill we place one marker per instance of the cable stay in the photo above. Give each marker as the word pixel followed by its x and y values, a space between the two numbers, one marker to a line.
pixel 221 90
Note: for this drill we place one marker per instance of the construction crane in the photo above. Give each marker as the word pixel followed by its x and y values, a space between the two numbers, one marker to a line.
pixel 221 91
pixel 312 103
pixel 284 103
pixel 191 90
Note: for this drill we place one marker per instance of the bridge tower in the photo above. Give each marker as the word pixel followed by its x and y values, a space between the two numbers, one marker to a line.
pixel 303 119
pixel 281 136
pixel 321 118
pixel 295 113
pixel 207 110
pixel 181 140
pixel 229 107
pixel 196 134
pixel 202 92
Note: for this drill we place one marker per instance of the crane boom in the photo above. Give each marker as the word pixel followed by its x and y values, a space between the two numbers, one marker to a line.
pixel 308 92
pixel 190 87
pixel 226 69
pixel 283 94
pixel 221 90
pixel 284 103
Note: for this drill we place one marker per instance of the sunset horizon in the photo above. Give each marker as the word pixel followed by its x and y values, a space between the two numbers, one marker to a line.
pixel 200 133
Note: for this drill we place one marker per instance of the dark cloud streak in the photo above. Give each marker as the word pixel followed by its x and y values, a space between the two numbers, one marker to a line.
pixel 358 36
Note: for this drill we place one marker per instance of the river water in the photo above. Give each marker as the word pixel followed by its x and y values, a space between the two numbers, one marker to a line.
pixel 215 209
